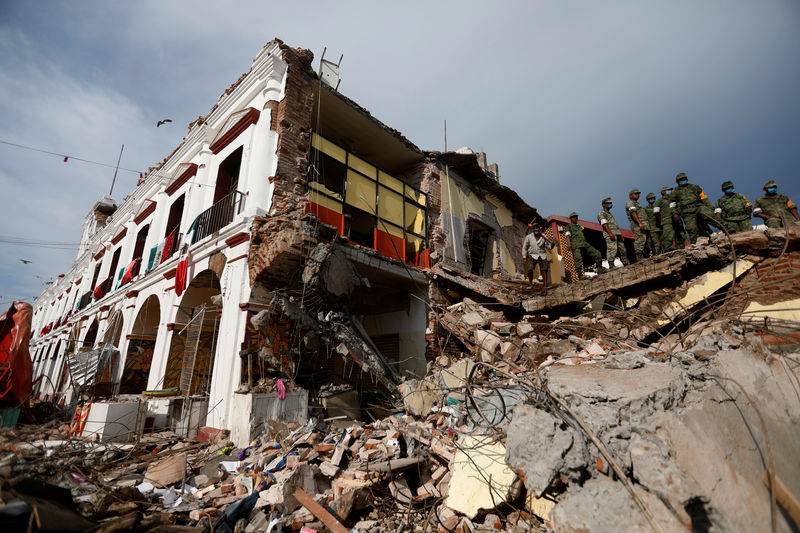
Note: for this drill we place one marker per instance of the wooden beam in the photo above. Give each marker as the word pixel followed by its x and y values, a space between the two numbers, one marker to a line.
pixel 319 511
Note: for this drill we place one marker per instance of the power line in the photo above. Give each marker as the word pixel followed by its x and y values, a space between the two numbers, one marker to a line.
pixel 5 239
pixel 67 156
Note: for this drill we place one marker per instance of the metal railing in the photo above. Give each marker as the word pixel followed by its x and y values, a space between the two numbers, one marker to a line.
pixel 218 216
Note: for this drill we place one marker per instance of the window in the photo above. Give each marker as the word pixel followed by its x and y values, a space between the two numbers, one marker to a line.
pixel 380 210
pixel 112 272
pixel 228 175
pixel 141 240
pixel 96 275
pixel 175 215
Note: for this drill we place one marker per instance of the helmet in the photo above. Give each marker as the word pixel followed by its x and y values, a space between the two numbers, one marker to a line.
pixel 727 184
pixel 635 191
pixel 770 183
pixel 573 214
pixel 651 195
pixel 606 200
pixel 681 176
pixel 666 188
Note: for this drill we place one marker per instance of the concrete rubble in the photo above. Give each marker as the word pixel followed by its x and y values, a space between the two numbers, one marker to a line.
pixel 598 406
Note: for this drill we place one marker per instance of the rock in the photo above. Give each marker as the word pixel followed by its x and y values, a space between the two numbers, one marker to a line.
pixel 539 447
pixel 473 320
pixel 480 477
pixel 328 469
pixel 524 330
pixel 488 342
pixel 509 351
pixel 625 360
pixel 502 328
pixel 595 349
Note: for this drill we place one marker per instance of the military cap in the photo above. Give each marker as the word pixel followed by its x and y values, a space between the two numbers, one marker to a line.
pixel 666 188
pixel 635 191
pixel 606 200
pixel 770 183
pixel 681 176
pixel 727 184
pixel 651 195
pixel 573 214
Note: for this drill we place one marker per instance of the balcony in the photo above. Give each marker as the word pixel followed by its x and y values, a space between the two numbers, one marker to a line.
pixel 217 216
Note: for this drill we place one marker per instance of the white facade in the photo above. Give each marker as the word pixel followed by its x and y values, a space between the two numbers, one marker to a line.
pixel 263 84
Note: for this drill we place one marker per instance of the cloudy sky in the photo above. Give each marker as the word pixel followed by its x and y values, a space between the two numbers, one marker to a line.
pixel 574 100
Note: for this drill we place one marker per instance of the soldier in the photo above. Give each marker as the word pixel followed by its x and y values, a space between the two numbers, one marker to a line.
pixel 672 233
pixel 733 209
pixel 577 241
pixel 639 225
pixel 693 206
pixel 615 247
pixel 775 208
pixel 655 229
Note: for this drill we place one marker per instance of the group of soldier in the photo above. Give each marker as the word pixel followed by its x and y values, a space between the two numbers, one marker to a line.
pixel 663 223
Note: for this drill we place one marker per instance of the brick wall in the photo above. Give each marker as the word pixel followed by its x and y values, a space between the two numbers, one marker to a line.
pixel 775 279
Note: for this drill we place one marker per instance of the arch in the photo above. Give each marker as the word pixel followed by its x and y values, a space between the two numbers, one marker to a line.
pixel 141 343
pixel 90 337
pixel 194 336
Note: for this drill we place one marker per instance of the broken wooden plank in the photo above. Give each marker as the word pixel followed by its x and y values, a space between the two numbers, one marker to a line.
pixel 394 465
pixel 319 511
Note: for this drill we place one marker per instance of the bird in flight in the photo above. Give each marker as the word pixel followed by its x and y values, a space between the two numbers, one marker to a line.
pixel 25 261
pixel 160 122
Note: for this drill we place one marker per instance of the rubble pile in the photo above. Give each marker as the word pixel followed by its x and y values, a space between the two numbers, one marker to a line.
pixel 661 411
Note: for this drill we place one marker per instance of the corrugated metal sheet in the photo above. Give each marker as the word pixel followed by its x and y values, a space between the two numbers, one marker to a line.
pixel 83 366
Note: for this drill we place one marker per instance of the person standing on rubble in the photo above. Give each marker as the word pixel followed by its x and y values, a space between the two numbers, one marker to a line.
pixel 579 245
pixel 655 230
pixel 733 209
pixel 693 206
pixel 639 226
pixel 534 252
pixel 775 208
pixel 615 247
pixel 673 235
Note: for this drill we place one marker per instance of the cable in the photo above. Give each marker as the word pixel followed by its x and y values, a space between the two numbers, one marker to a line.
pixel 67 157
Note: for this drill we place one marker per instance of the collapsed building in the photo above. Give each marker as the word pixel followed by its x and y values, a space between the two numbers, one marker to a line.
pixel 341 273
pixel 288 235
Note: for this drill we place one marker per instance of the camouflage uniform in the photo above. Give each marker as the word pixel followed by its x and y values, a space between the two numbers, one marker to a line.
pixel 579 246
pixel 694 207
pixel 734 209
pixel 613 248
pixel 672 233
pixel 777 205
pixel 655 230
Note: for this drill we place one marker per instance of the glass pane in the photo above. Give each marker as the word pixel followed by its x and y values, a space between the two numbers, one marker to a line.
pixel 362 166
pixel 360 192
pixel 325 146
pixel 390 181
pixel 415 195
pixel 324 201
pixel 414 243
pixel 317 186
pixel 391 229
pixel 390 206
pixel 415 219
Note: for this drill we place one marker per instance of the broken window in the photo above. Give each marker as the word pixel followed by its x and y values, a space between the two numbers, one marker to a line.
pixel 112 271
pixel 380 210
pixel 96 275
pixel 478 241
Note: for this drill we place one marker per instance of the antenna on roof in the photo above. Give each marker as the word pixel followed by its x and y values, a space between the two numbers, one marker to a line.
pixel 329 71
pixel 116 170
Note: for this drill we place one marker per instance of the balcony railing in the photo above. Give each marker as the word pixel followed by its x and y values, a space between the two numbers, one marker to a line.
pixel 217 216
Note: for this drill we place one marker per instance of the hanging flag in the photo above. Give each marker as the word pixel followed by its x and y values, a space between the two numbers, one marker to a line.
pixel 159 253
pixel 66 159
pixel 152 259
pixel 182 272
pixel 167 247
pixel 128 275
pixel 119 278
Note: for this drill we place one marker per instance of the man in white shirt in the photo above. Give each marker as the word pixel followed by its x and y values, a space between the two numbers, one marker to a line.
pixel 534 252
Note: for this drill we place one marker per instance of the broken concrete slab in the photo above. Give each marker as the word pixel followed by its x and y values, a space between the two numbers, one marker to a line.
pixel 540 446
pixel 604 505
